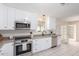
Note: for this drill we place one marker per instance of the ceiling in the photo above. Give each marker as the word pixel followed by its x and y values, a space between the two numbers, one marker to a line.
pixel 55 10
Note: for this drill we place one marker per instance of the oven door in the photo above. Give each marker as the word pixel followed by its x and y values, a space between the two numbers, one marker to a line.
pixel 24 48
pixel 27 47
pixel 18 49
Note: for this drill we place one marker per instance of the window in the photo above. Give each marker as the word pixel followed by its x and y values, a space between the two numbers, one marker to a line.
pixel 42 23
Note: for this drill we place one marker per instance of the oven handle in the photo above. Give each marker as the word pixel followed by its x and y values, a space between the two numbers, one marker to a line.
pixel 17 43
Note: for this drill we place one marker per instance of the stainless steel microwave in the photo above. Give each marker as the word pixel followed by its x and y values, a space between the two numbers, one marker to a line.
pixel 22 25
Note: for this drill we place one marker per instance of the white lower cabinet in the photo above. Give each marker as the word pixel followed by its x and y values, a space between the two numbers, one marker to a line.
pixel 7 49
pixel 41 44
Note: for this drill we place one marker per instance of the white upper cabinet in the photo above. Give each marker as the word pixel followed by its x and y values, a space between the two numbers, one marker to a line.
pixel 20 15
pixel 3 17
pixel 11 18
pixel 34 22
pixel 9 15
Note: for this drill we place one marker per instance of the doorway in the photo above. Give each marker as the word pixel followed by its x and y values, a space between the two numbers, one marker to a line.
pixel 68 34
pixel 64 38
pixel 72 33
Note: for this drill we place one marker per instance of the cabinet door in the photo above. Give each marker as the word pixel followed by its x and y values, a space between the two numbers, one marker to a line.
pixel 7 17
pixel 48 42
pixel 11 18
pixel 3 17
pixel 41 44
pixel 7 49
pixel 44 43
pixel 20 15
pixel 34 46
pixel 34 22
pixel 5 27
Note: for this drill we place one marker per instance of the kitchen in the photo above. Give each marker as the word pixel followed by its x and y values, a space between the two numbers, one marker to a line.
pixel 19 33
pixel 39 29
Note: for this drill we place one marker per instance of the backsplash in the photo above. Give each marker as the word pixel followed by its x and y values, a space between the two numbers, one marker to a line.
pixel 12 32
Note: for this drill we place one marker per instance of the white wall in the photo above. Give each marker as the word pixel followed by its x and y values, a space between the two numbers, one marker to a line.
pixel 73 18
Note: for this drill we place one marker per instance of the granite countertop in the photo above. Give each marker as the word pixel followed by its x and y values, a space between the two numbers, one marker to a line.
pixel 13 35
pixel 35 36
pixel 8 40
pixel 38 34
pixel 10 36
pixel 41 36
pixel 5 41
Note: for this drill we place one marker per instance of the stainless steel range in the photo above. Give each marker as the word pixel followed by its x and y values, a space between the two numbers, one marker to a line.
pixel 22 44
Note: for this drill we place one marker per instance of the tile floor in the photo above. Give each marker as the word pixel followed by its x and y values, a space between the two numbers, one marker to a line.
pixel 71 49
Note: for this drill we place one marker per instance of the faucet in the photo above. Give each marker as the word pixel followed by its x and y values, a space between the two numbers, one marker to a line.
pixel 43 33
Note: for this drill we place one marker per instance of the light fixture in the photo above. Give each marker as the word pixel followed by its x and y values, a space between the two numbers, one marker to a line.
pixel 44 17
pixel 62 4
